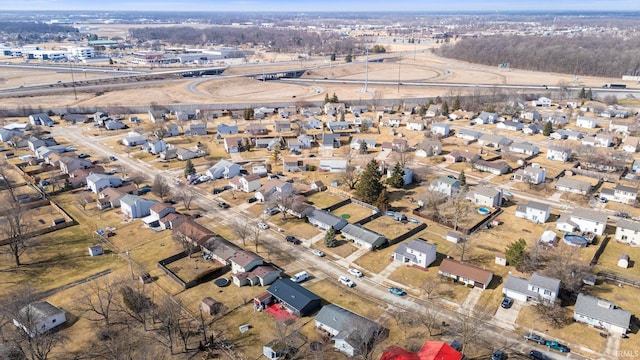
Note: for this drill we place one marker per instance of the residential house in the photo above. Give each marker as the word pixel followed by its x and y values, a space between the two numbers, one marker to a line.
pixel 407 177
pixel 7 135
pixel 246 183
pixel 68 164
pixel 198 235
pixel 223 169
pixel 532 129
pixel 583 220
pixel 333 165
pixel 371 143
pixel 493 167
pixel 259 170
pixel 628 232
pixel 256 130
pixel 284 113
pixel 428 148
pixel 524 148
pixel 318 185
pixel 244 261
pixel 134 139
pixel 224 129
pixel 39 317
pixel 466 273
pixel 324 220
pixel 510 125
pixel 461 115
pixel 631 144
pixel 233 144
pixel 459 156
pixel 97 182
pixel 538 288
pixel 311 111
pixel 169 130
pixel 431 350
pixel 169 153
pixel 541 102
pixel 559 153
pixel 491 140
pixel 348 330
pixel 297 299
pixel 397 145
pixel 620 127
pixel 262 112
pixel 75 118
pixel 196 129
pixel 14 126
pixel 155 147
pixel 338 126
pixel 433 110
pixel 533 174
pixel 158 211
pixel 415 124
pixel 261 275
pixel 621 193
pixel 109 198
pixel 599 140
pixel 312 124
pixel 305 141
pixel 573 186
pixel 357 110
pixel 364 237
pixel 486 118
pixel 333 109
pixel 185 154
pixel 330 141
pixel 601 314
pixel 556 120
pixel 294 144
pixel 440 129
pixel 416 252
pixel 282 126
pixel 486 196
pixel 156 116
pixel 35 142
pixel 586 122
pixel 136 207
pixel 78 177
pixel 454 237
pixel 445 186
pixel 41 119
pixel 114 125
pixel 468 134
pixel 293 164
pixel 533 115
pixel 534 211
pixel 272 186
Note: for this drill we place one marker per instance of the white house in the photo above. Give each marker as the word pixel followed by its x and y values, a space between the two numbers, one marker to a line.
pixel 440 129
pixel 363 237
pixel 445 185
pixel 541 102
pixel 510 125
pixel 428 148
pixel 538 288
pixel 416 252
pixel 559 153
pixel 355 143
pixel 157 211
pixel 492 140
pixel 97 182
pixel 415 124
pixel 628 232
pixel 136 207
pixel 586 122
pixel 134 139
pixel 583 220
pixel 407 178
pixel 534 211
pixel 531 174
pixel 272 186
pixel 493 167
pixel 486 118
pixel 333 165
pixel 486 196
pixel 246 183
pixel 631 144
pixel 573 186
pixel 602 314
pixel 347 329
pixel 155 147
pixel 524 148
pixel 433 110
pixel 39 317
pixel 223 169
pixel 468 134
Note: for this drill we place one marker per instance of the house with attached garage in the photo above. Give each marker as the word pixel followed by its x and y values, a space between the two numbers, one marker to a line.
pixel 305 141
pixel 272 186
pixel 7 135
pixel 620 127
pixel 601 314
pixel 428 148
pixel 524 148
pixel 97 182
pixel 223 169
pixel 573 186
pixel 468 134
pixel 628 232
pixel 256 129
pixel 533 174
pixel 486 196
pixel 333 108
pixel 586 122
pixel 533 115
pixel 416 252
pixel 433 110
pixel 35 142
pixel 415 125
pixel 157 212
pixel 445 185
pixel 493 167
pixel 311 111
pixel 312 124
pixel 631 144
pixel 363 237
pixel 40 120
pixel 330 141
pixel 154 147
pixel 371 143
pixel 261 275
pixel 486 118
pixel 324 220
pixel 196 129
pixel 558 153
pixel 541 102
pixel 584 220
pixel 294 297
pixel 510 125
pixel 338 126
pixel 134 207
pixel 534 211
pixel 69 164
pixel 440 129
pixel 532 129
pixel 491 140
pixel 538 288
pixel 246 183
pixel 233 144
pixel 109 198
pixel 224 129
pixel 459 156
pixel 293 164
pixel 244 261
pixel 156 116
pixel 348 330
pixel 620 193
pixel 468 274
pixel 333 165
pixel 39 317
pixel 599 140
pixel 282 126
pixel 114 125
pixel 185 154
pixel 134 139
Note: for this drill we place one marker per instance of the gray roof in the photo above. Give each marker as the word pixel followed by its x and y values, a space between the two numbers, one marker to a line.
pixel 359 232
pixel 559 149
pixel 487 191
pixel 341 319
pixel 526 146
pixel 469 132
pixel 602 310
pixel 328 218
pixel 421 245
pixel 574 184
pixel 294 295
pixel 545 282
pixel 590 215
pixel 447 180
pixel 538 205
pixel 328 139
pixel 629 224
pixel 41 310
pixel 624 188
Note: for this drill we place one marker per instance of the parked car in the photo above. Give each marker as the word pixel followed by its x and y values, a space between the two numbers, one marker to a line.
pixel 397 291
pixel 263 226
pixel 621 214
pixel 603 200
pixel 83 155
pixel 317 252
pixel 556 346
pixel 537 355
pixel 271 211
pixel 292 239
pixel 112 158
pixel 223 204
pixel 144 190
pixel 111 171
pixel 251 200
pixel 498 355
pixel 44 183
pixel 355 272
pixel 195 216
pixel 300 277
pixel 535 338
pixel 216 191
pixel 506 303
pixel 346 281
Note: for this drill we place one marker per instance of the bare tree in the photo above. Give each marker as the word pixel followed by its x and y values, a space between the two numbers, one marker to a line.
pixel 256 236
pixel 189 247
pixel 15 226
pixel 553 313
pixel 431 286
pixel 168 313
pixel 350 176
pixel 467 327
pixel 136 304
pixel 283 200
pixel 186 195
pixel 404 320
pixel 366 336
pixel 430 319
pixel 137 179
pixel 458 208
pixel 403 155
pixel 83 199
pixel 6 182
pixel 99 299
pixel 160 187
pixel 243 229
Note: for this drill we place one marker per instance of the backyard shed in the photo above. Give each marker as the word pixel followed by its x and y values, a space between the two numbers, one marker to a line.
pixel 209 306
pixel 96 250
pixel 623 261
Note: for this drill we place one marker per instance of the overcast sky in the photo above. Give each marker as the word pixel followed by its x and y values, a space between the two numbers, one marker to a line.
pixel 324 5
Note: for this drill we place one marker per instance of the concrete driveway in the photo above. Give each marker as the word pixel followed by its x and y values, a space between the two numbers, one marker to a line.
pixel 507 317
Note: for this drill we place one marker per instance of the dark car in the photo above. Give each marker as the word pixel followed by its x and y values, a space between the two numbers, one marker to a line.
pixel 535 338
pixel 83 155
pixel 144 190
pixel 557 346
pixel 507 302
pixel 112 158
pixel 251 200
pixel 293 240
pixel 498 355
pixel 217 191
pixel 223 204
pixel 623 215
pixel 537 355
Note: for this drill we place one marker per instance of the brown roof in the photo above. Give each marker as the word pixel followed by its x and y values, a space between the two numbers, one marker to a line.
pixel 158 207
pixel 222 248
pixel 244 258
pixel 194 231
pixel 466 271
pixel 209 301
pixel 263 270
pixel 252 177
pixel 235 180
pixel 82 173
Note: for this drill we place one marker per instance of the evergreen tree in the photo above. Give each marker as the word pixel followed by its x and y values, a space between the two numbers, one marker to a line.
pixel 189 169
pixel 364 127
pixel 382 201
pixel 423 110
pixel 348 58
pixel 326 98
pixel 444 109
pixel 364 148
pixel 456 103
pixel 330 238
pixel 589 95
pixel 462 178
pixel 369 185
pixel 334 98
pixel 342 116
pixel 248 114
pixel 438 100
pixel 516 252
pixel 548 128
pixel 246 144
pixel 333 57
pixel 275 154
pixel 397 177
pixel 583 94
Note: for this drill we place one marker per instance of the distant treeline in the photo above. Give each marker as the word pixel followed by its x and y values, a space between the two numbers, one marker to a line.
pixel 607 56
pixel 275 39
pixel 35 28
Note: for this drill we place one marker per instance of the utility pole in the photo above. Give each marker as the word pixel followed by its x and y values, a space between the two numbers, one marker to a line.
pixel 399 63
pixel 73 81
pixel 130 264
pixel 366 66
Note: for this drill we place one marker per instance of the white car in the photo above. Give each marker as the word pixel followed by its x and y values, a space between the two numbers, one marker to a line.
pixel 355 272
pixel 317 252
pixel 263 226
pixel 346 281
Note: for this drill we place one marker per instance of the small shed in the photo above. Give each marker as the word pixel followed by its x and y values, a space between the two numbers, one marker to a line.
pixel 548 238
pixel 454 237
pixel 623 261
pixel 209 306
pixel 58 221
pixel 96 250
pixel 501 259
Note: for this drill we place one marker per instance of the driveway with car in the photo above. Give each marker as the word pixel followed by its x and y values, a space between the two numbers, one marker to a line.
pixel 508 316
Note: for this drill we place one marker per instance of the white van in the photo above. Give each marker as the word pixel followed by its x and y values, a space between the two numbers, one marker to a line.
pixel 300 277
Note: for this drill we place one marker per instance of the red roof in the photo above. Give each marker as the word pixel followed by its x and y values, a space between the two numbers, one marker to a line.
pixel 438 350
pixel 398 353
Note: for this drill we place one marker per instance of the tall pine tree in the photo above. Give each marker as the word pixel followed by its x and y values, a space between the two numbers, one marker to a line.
pixel 397 177
pixel 382 202
pixel 369 185
pixel 456 103
pixel 189 168
pixel 548 129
